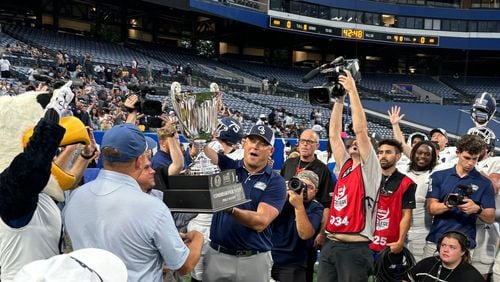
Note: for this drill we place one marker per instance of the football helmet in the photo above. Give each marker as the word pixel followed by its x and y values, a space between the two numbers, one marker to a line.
pixel 486 134
pixel 229 130
pixel 483 109
pixel 414 135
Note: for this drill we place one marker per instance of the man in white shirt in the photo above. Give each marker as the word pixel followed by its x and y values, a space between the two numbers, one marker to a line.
pixel 4 67
pixel 440 137
pixel 112 213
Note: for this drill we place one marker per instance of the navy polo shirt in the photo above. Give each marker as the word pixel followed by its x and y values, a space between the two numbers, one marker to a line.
pixel 160 159
pixel 288 248
pixel 446 181
pixel 265 186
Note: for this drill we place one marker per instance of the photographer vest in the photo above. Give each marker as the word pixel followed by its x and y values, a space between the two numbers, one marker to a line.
pixel 389 211
pixel 347 211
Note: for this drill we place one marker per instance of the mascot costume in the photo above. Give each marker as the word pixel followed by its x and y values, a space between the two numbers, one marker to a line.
pixel 33 177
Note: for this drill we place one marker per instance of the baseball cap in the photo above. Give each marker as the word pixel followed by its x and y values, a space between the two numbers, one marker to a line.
pixel 83 101
pixel 81 265
pixel 127 139
pixel 309 175
pixel 152 145
pixel 440 130
pixel 264 132
pixel 150 142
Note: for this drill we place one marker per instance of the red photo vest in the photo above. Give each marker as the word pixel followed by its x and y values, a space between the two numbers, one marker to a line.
pixel 347 211
pixel 389 214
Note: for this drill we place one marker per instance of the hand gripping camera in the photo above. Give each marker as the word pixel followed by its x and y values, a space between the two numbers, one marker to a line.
pixel 325 94
pixel 456 199
pixel 297 186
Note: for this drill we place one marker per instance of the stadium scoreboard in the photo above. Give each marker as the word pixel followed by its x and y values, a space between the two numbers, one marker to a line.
pixel 353 33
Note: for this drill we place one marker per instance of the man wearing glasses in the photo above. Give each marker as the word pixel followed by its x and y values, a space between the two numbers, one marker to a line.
pixel 307 145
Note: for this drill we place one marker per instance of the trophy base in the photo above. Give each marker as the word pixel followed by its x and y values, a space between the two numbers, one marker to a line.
pixel 203 193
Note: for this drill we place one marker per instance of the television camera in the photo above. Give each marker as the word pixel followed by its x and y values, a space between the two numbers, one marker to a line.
pixel 326 93
pixel 150 108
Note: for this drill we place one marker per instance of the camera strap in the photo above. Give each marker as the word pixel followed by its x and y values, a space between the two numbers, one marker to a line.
pixel 383 182
pixel 298 169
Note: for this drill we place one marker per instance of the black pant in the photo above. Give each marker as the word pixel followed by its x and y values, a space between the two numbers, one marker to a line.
pixel 289 273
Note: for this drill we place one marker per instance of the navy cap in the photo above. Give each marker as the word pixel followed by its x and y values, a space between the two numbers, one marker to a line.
pixel 264 132
pixel 127 140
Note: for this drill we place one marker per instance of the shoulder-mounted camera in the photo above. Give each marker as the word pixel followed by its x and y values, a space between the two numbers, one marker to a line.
pixel 326 93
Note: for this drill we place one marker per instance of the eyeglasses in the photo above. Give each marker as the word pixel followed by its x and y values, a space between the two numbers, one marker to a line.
pixel 306 142
pixel 87 267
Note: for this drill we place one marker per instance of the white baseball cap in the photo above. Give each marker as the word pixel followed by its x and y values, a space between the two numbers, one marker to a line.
pixel 81 265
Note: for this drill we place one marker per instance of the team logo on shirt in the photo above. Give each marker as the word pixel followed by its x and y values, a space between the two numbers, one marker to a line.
pixel 382 219
pixel 260 185
pixel 429 186
pixel 340 200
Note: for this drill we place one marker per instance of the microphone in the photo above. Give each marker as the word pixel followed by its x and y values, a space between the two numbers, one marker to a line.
pixel 310 75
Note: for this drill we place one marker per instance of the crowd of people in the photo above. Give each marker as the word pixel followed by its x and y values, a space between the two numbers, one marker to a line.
pixel 426 207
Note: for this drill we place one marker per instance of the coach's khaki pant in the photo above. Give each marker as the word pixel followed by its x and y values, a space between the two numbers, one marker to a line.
pixel 221 267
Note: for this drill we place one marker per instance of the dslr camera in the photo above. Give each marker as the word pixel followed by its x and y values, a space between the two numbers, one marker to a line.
pixel 297 186
pixel 456 199
pixel 326 93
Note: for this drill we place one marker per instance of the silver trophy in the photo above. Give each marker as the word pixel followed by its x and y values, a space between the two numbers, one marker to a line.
pixel 205 189
pixel 197 115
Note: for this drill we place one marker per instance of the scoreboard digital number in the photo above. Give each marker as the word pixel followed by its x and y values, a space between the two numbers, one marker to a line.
pixel 353 33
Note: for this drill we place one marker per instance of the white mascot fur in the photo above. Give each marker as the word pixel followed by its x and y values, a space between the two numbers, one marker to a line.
pixel 30 224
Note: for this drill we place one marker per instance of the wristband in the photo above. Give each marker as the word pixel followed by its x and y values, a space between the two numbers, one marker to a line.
pixel 88 157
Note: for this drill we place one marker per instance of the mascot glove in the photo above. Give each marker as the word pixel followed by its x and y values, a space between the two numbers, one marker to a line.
pixel 62 99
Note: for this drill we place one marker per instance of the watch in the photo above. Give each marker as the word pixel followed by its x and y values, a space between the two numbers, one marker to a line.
pixel 480 210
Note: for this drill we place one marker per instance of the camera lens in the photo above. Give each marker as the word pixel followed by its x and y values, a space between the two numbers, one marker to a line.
pixel 294 184
pixel 319 96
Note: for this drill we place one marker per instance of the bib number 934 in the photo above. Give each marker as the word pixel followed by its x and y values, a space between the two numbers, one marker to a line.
pixel 338 221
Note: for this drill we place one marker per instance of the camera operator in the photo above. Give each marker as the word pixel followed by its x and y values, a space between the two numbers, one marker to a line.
pixel 294 228
pixel 346 255
pixel 459 195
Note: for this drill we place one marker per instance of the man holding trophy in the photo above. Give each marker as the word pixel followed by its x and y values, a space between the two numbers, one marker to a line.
pixel 245 197
pixel 240 247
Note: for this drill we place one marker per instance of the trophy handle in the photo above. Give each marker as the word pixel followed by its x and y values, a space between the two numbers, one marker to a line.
pixel 214 87
pixel 175 89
